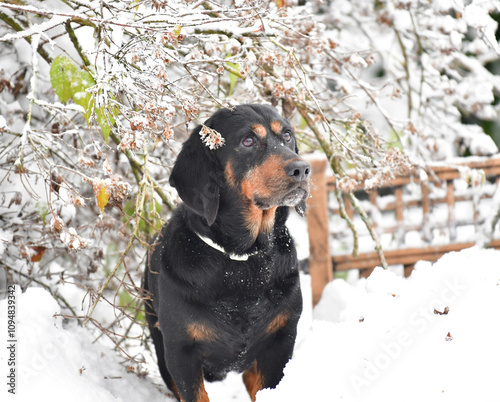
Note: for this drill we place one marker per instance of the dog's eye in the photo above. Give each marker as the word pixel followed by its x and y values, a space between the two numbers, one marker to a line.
pixel 287 136
pixel 248 141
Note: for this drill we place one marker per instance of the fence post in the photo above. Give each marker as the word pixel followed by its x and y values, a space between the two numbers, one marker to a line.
pixel 320 260
pixel 450 200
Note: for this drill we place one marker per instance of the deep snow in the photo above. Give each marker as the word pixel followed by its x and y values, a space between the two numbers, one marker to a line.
pixel 377 339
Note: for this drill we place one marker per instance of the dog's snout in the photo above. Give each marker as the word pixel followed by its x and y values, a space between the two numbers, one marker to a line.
pixel 298 170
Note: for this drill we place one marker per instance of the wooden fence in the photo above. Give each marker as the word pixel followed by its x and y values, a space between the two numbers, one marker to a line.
pixel 443 188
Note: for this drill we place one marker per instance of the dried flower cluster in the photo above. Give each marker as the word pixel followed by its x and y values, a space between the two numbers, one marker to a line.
pixel 394 163
pixel 71 238
pixel 211 138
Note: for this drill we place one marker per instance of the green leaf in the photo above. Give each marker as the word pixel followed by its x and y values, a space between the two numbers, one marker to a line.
pixel 70 82
pixel 61 72
pixel 232 77
pixel 303 123
pixel 105 119
pixel 131 304
pixel 129 209
pixel 393 140
pixel 42 209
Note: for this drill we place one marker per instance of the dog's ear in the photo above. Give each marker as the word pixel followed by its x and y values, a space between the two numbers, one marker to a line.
pixel 194 176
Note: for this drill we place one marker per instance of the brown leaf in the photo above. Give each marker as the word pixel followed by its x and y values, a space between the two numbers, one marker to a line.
pixel 444 312
pixel 16 199
pixel 56 224
pixel 288 107
pixel 39 252
pixel 55 182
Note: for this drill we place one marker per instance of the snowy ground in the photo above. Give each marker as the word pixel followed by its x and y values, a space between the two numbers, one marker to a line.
pixel 378 339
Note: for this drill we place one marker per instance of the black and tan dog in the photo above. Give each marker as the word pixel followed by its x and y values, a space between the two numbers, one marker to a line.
pixel 222 276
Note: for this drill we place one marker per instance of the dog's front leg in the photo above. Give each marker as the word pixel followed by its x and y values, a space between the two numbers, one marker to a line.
pixel 187 374
pixel 267 369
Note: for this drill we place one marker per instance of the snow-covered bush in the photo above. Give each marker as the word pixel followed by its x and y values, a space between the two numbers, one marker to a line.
pixel 96 96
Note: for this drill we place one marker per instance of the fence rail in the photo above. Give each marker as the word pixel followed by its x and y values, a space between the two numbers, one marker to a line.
pixel 439 188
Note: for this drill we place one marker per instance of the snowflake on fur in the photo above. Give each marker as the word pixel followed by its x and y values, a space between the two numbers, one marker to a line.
pixel 211 138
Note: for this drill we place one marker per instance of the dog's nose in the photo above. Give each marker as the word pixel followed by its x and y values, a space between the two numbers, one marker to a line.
pixel 298 170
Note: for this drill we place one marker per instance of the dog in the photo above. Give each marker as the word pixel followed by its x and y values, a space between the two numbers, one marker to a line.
pixel 221 278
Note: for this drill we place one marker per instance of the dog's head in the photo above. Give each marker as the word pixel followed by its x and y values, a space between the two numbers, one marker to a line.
pixel 259 160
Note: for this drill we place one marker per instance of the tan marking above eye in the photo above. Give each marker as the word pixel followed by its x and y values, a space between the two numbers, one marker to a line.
pixel 260 130
pixel 276 126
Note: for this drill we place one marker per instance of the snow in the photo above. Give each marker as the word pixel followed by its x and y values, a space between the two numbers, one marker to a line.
pixel 372 339
pixel 367 338
pixel 3 123
pixel 39 28
pixel 380 339
pixel 5 238
pixel 475 17
pixel 64 363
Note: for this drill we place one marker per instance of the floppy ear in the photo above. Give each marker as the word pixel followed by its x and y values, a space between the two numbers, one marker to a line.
pixel 195 177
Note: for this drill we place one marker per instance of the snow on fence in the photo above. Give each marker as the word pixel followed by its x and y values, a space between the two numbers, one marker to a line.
pixel 417 217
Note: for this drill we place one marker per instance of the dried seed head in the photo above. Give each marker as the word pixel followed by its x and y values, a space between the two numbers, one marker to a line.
pixel 211 138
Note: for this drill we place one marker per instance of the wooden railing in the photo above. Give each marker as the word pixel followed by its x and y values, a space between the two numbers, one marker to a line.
pixel 443 187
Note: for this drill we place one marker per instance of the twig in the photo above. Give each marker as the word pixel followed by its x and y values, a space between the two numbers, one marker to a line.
pixel 419 53
pixel 291 52
pixel 205 88
pixel 132 323
pixel 139 173
pixel 76 43
pixel 141 196
pixel 369 225
pixel 107 332
pixel 337 169
pixel 406 67
pixel 18 28
pixel 32 96
pixel 94 21
pixel 324 144
pixel 350 223
pixel 55 295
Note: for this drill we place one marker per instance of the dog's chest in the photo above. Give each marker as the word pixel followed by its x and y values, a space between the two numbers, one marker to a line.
pixel 249 292
pixel 242 323
pixel 250 277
